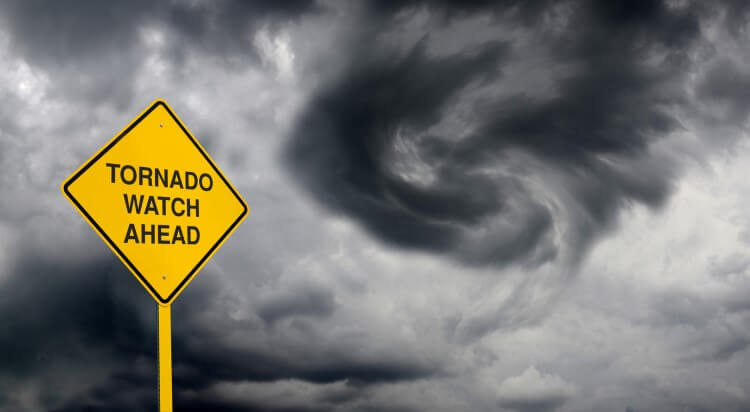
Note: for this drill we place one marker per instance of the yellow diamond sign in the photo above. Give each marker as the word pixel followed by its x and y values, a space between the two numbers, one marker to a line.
pixel 158 200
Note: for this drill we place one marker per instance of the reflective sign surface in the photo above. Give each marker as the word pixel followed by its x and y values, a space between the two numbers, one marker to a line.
pixel 158 200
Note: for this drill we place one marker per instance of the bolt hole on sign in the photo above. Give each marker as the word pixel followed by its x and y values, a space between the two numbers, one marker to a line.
pixel 158 200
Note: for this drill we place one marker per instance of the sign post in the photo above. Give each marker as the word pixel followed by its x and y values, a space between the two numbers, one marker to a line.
pixel 165 358
pixel 162 205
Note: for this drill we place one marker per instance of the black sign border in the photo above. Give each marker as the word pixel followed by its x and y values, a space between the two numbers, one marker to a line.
pixel 122 255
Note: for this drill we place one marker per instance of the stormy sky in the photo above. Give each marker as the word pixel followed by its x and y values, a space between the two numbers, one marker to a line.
pixel 455 205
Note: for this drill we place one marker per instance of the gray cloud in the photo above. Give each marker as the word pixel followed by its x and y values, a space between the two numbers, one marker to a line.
pixel 408 92
pixel 506 139
pixel 88 311
pixel 727 85
pixel 735 264
pixel 94 51
pixel 304 300
pixel 532 391
pixel 474 201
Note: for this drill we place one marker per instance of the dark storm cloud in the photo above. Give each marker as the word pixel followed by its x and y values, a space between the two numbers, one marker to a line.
pixel 292 349
pixel 728 85
pixel 736 15
pixel 593 133
pixel 54 316
pixel 93 50
pixel 62 32
pixel 537 405
pixel 129 389
pixel 303 300
pixel 527 11
pixel 51 313
pixel 522 177
pixel 348 129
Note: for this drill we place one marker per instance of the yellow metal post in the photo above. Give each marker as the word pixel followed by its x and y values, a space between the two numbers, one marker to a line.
pixel 165 358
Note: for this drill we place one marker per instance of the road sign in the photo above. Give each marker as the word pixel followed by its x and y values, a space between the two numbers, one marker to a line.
pixel 158 200
pixel 163 206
